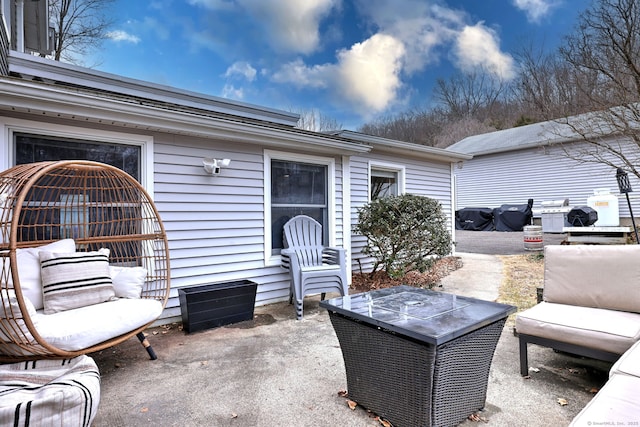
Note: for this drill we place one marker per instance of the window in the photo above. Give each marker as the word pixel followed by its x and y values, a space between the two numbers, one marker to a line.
pixel 72 209
pixel 297 185
pixel 297 189
pixel 385 181
pixel 35 148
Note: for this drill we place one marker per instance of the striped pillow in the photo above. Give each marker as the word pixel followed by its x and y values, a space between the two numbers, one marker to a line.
pixel 74 280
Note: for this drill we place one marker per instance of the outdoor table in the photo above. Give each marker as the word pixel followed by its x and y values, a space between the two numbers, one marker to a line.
pixel 417 357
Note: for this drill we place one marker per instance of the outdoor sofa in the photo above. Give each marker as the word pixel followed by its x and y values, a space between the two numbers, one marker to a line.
pixel 591 308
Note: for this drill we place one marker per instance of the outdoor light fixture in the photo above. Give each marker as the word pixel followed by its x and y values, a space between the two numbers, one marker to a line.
pixel 625 187
pixel 213 166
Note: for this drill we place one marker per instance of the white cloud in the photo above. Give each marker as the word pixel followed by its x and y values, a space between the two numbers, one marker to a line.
pixel 367 75
pixel 479 46
pixel 231 92
pixel 213 4
pixel 241 68
pixel 302 75
pixel 290 25
pixel 535 9
pixel 422 26
pixel 122 36
pixel 369 72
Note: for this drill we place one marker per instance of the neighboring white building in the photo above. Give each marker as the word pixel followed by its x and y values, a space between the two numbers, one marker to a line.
pixel 220 227
pixel 514 165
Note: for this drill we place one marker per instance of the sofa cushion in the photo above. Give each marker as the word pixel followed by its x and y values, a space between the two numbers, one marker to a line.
pixel 49 392
pixel 87 326
pixel 73 280
pixel 28 260
pixel 602 276
pixel 629 362
pixel 606 330
pixel 128 281
pixel 615 404
pixel 11 310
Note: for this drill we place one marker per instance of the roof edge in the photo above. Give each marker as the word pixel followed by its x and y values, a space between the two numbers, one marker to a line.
pixel 395 146
pixel 41 68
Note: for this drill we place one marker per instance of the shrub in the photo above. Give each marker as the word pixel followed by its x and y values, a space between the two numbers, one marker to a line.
pixel 404 233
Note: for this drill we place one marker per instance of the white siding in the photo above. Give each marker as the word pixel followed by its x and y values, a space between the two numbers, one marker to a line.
pixel 425 178
pixel 215 224
pixel 542 173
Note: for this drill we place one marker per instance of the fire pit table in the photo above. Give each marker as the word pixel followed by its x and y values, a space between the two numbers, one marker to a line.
pixel 417 357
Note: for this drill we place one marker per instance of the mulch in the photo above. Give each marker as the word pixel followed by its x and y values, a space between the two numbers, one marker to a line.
pixel 364 282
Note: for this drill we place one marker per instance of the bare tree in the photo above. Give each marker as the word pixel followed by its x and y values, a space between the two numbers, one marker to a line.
pixel 316 121
pixel 470 94
pixel 604 55
pixel 546 86
pixel 416 126
pixel 80 26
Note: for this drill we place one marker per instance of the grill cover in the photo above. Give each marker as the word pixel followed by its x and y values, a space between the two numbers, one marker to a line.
pixel 512 217
pixel 582 216
pixel 476 219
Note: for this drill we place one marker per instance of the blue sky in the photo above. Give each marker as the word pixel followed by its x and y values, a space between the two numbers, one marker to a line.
pixel 352 60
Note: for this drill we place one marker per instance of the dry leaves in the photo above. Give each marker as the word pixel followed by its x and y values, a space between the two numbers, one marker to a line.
pixel 477 418
pixel 562 402
pixel 352 404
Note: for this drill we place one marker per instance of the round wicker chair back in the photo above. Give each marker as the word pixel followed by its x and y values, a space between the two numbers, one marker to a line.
pixel 97 205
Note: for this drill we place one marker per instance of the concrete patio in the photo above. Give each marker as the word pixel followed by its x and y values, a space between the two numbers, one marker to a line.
pixel 276 371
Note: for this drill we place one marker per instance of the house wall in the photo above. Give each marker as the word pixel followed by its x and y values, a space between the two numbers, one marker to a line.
pixel 422 177
pixel 215 224
pixel 542 173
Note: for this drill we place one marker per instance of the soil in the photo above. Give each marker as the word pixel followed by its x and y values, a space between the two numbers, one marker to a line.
pixel 364 282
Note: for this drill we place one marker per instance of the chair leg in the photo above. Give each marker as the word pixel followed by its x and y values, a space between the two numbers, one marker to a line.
pixel 524 359
pixel 299 309
pixel 145 344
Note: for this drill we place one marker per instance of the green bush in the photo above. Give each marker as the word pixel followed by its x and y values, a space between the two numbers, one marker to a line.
pixel 404 233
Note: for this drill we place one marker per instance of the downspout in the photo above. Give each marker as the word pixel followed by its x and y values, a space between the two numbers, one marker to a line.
pixel 454 202
pixel 346 213
pixel 20 25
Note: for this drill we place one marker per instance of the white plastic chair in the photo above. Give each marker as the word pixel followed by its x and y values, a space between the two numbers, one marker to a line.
pixel 313 268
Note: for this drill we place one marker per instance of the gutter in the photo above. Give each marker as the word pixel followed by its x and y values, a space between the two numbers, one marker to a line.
pixel 406 148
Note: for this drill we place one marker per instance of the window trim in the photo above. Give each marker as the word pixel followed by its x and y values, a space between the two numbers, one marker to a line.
pixel 387 167
pixel 11 126
pixel 329 162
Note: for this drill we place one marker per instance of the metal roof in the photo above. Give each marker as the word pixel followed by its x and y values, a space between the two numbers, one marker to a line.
pixel 517 138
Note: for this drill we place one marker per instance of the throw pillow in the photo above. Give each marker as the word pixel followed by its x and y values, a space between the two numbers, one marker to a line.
pixel 29 268
pixel 128 281
pixel 75 280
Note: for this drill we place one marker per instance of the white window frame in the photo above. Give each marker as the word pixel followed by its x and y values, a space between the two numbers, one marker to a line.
pixel 387 167
pixel 330 163
pixel 11 126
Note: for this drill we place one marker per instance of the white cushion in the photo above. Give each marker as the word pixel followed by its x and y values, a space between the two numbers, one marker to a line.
pixel 599 276
pixel 49 392
pixel 73 280
pixel 615 404
pixel 11 309
pixel 29 268
pixel 128 281
pixel 607 330
pixel 87 326
pixel 629 362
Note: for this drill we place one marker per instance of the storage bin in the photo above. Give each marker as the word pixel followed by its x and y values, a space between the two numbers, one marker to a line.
pixel 217 304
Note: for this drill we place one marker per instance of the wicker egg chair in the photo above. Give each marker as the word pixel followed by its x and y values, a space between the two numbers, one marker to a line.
pixel 96 205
